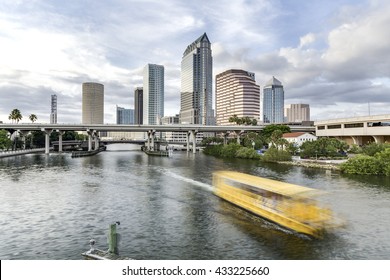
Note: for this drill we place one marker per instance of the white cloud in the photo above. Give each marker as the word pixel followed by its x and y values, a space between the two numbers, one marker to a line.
pixel 307 40
pixel 52 47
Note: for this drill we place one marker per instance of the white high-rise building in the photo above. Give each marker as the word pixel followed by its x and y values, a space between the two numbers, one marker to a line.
pixel 196 83
pixel 153 94
pixel 236 93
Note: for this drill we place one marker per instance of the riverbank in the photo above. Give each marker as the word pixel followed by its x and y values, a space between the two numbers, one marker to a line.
pixel 21 152
pixel 323 164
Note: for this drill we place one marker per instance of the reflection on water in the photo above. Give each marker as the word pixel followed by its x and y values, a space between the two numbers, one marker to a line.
pixel 50 206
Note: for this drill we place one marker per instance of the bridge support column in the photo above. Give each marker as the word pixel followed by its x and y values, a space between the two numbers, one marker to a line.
pixel 188 140
pixel 225 135
pixel 47 139
pixel 148 140
pixel 238 133
pixel 96 140
pixel 90 136
pixel 379 139
pixel 60 133
pixel 152 135
pixel 193 136
pixel 357 140
pixel 23 135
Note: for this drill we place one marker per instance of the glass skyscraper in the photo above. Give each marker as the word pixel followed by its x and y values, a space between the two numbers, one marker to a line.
pixel 273 102
pixel 124 116
pixel 196 83
pixel 153 94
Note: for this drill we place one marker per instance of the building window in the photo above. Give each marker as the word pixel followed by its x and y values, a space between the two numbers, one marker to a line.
pixel 352 125
pixel 334 126
pixel 371 124
pixel 321 127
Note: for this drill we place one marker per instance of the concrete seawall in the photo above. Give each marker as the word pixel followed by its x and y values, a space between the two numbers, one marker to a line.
pixel 21 152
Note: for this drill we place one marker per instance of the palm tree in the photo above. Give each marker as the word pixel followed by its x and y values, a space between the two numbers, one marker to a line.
pixel 33 118
pixel 233 118
pixel 15 115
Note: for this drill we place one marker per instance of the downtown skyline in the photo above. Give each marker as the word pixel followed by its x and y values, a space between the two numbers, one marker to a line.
pixel 333 56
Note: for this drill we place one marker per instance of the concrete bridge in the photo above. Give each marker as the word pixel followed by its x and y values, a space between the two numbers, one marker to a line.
pixel 93 131
pixel 356 130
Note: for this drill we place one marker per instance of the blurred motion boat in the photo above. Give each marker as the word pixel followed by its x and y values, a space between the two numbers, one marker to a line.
pixel 288 205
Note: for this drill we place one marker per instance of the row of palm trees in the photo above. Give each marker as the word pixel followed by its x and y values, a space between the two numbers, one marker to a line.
pixel 243 120
pixel 16 116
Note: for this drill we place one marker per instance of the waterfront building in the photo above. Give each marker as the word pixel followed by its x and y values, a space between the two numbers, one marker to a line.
pixel 93 103
pixel 138 105
pixel 273 102
pixel 53 112
pixel 124 116
pixel 298 138
pixel 153 94
pixel 297 113
pixel 236 93
pixel 196 83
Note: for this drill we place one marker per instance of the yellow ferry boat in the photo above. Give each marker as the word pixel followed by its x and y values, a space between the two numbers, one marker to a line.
pixel 288 205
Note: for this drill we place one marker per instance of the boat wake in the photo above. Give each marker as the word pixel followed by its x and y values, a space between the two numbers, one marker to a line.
pixel 204 186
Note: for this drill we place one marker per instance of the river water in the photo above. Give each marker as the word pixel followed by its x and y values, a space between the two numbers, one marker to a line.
pixel 52 205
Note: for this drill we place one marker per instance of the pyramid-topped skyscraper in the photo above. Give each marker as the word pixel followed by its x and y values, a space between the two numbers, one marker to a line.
pixel 196 83
pixel 273 101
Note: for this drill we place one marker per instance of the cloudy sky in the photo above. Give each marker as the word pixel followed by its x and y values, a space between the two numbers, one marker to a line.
pixel 334 55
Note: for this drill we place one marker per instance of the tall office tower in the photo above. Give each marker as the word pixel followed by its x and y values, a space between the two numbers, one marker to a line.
pixel 138 105
pixel 124 116
pixel 196 83
pixel 153 94
pixel 273 102
pixel 93 103
pixel 236 93
pixel 53 113
pixel 296 113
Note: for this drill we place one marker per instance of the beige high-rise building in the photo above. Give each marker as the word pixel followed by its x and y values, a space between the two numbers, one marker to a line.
pixel 236 93
pixel 296 113
pixel 93 103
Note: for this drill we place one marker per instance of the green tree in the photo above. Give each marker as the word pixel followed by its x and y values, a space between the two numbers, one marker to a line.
pixel 373 148
pixel 275 139
pixel 5 141
pixel 254 122
pixel 211 141
pixel 233 119
pixel 38 139
pixel 267 131
pixel 362 164
pixel 245 152
pixel 355 149
pixel 292 148
pixel 275 155
pixel 244 120
pixel 15 115
pixel 230 150
pixel 32 118
pixel 252 137
pixel 323 147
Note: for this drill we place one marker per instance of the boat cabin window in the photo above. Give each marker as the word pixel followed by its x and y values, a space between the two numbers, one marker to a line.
pixel 254 190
